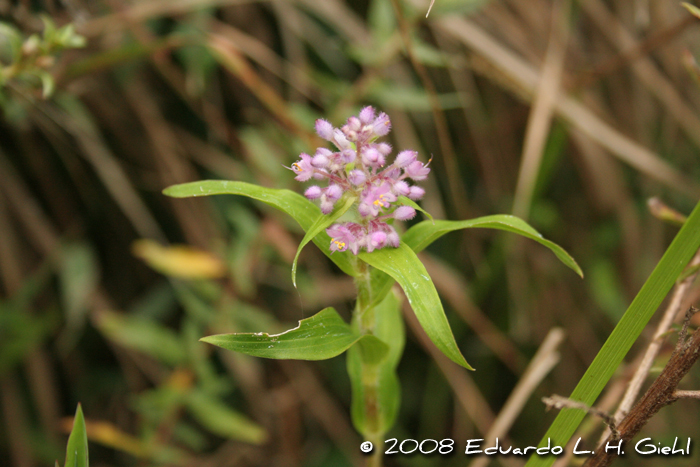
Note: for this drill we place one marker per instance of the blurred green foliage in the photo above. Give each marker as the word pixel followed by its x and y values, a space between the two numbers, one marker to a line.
pixel 172 92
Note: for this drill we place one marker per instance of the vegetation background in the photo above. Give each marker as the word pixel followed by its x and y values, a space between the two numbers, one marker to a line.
pixel 568 114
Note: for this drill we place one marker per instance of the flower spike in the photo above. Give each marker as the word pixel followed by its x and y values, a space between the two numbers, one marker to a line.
pixel 359 168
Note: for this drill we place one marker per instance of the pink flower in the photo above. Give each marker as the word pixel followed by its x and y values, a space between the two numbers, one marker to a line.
pixel 303 168
pixel 355 167
pixel 417 171
pixel 342 237
pixel 375 199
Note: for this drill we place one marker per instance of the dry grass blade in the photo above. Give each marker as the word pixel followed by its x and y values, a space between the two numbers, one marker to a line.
pixel 463 386
pixel 143 11
pixel 645 70
pixel 542 109
pixel 260 53
pixel 524 79
pixel 230 58
pixel 542 363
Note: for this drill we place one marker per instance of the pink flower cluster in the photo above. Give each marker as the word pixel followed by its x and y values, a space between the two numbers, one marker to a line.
pixel 359 167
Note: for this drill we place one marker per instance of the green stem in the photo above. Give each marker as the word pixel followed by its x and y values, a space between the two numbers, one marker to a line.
pixel 364 314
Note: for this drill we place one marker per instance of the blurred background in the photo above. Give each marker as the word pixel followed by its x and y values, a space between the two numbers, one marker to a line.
pixel 569 114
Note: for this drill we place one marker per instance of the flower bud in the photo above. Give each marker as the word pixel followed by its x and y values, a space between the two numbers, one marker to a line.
pixel 340 140
pixel 401 188
pixel 354 124
pixel 405 158
pixel 357 177
pixel 416 193
pixel 313 192
pixel 348 155
pixel 404 213
pixel 370 156
pixel 320 161
pixel 334 192
pixel 381 125
pixel 367 115
pixel 383 148
pixel 326 205
pixel 324 129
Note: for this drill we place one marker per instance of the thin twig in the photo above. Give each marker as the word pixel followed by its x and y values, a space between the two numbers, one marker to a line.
pixel 661 393
pixel 559 402
pixel 674 307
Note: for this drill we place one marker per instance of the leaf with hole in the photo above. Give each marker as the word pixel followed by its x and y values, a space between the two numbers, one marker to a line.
pixel 323 336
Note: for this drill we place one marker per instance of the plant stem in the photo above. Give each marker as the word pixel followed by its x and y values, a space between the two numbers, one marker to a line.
pixel 364 314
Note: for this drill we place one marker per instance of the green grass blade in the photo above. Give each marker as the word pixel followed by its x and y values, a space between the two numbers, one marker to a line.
pixel 218 418
pixel 322 221
pixel 404 267
pixel 652 293
pixel 324 335
pixel 77 449
pixel 301 209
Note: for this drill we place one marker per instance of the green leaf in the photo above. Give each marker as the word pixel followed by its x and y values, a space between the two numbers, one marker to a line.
pixel 301 209
pixel 628 329
pixel 389 328
pixel 423 234
pixel 78 278
pixel 322 221
pixel 409 202
pixel 324 335
pixel 142 335
pixel 77 449
pixel 221 420
pixel 13 38
pixel 49 28
pixel 47 83
pixel 403 265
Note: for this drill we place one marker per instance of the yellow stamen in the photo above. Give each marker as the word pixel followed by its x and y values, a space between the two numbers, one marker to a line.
pixel 340 244
pixel 380 202
pixel 297 167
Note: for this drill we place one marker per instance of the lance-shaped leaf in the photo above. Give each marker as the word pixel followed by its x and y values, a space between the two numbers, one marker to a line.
pixel 404 267
pixel 77 449
pixel 424 233
pixel 301 209
pixel 320 225
pixel 221 420
pixel 324 335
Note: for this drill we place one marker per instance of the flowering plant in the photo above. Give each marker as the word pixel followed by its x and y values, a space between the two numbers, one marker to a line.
pixel 368 248
pixel 358 169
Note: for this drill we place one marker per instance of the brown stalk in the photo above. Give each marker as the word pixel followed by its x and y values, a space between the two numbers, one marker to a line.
pixel 661 393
